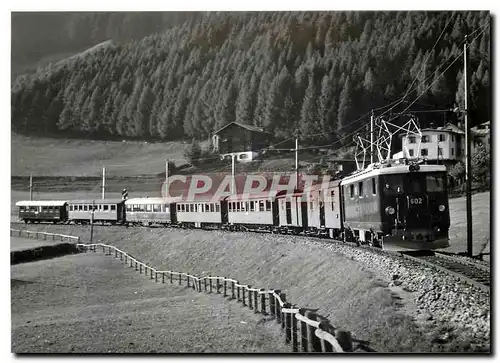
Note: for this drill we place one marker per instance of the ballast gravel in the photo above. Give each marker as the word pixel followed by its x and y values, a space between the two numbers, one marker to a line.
pixel 445 306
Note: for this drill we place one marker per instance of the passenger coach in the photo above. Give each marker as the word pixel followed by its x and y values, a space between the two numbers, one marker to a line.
pixel 36 211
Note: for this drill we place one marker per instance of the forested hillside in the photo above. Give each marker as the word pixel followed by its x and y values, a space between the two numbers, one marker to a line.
pixel 289 72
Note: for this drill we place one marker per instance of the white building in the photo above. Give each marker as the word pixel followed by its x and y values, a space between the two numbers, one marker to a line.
pixel 444 144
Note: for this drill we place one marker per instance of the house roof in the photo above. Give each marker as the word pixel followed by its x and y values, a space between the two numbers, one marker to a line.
pixel 482 129
pixel 449 127
pixel 245 126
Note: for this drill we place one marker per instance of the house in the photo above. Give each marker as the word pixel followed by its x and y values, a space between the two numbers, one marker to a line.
pixel 242 139
pixel 444 145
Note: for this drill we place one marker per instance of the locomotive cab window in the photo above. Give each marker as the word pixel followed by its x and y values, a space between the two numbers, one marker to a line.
pixel 351 190
pixel 217 208
pixel 434 183
pixel 261 206
pixel 360 188
pixel 268 205
pixel 374 186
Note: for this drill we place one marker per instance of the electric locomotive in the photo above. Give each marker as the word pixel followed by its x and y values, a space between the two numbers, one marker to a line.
pixel 397 205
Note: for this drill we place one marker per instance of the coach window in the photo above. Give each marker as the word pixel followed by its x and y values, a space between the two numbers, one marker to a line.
pixel 230 206
pixel 212 207
pixel 217 208
pixel 374 186
pixel 268 205
pixel 351 191
pixel 333 204
pixel 261 206
pixel 156 207
pixel 183 208
pixel 360 184
pixel 207 207
pixel 85 208
pixel 106 208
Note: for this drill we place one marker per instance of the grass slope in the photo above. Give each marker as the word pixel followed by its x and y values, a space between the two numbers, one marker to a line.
pixel 92 304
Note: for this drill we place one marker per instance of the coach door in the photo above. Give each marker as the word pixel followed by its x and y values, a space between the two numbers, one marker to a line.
pixel 276 212
pixel 288 212
pixel 322 213
pixel 223 212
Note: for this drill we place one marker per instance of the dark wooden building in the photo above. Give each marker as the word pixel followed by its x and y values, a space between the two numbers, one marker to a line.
pixel 238 137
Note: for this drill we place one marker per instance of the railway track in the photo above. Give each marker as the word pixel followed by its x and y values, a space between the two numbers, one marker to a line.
pixel 475 274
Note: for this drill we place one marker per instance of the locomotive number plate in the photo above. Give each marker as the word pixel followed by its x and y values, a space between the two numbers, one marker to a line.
pixel 416 200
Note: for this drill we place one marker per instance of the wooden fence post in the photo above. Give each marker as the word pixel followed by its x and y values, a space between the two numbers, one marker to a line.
pixel 272 302
pixel 199 285
pixel 140 268
pixel 277 307
pixel 103 249
pixel 180 278
pixel 250 297
pixel 283 299
pixel 262 302
pixel 345 339
pixel 116 253
pixel 238 289
pixel 156 276
pixel 243 289
pixel 210 281
pixel 136 265
pixel 225 287
pixel 171 277
pixel 314 341
pixel 217 282
pixel 303 333
pixel 205 283
pixel 325 345
pixel 295 340
pixel 255 300
pixel 288 323
pixel 163 277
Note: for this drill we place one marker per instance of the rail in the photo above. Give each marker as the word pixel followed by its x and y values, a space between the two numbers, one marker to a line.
pixel 44 235
pixel 306 330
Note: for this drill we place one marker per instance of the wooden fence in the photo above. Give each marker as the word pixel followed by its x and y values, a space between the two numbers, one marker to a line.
pixel 43 235
pixel 306 330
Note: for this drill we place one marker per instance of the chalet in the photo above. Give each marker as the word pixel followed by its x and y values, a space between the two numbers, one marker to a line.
pixel 444 144
pixel 242 139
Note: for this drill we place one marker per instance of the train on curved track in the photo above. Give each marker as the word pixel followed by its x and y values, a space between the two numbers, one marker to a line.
pixel 393 205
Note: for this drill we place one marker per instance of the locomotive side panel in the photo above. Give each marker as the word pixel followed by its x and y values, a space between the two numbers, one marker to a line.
pixel 362 204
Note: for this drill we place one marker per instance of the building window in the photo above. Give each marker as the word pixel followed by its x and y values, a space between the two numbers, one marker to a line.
pixel 426 138
pixel 452 137
pixel 412 139
pixel 442 137
pixel 440 151
pixel 452 151
pixel 424 152
pixel 410 152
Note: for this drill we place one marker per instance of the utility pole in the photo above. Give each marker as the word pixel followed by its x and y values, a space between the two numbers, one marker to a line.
pixel 297 163
pixel 371 137
pixel 233 180
pixel 468 174
pixel 103 180
pixel 92 222
pixel 31 186
pixel 166 178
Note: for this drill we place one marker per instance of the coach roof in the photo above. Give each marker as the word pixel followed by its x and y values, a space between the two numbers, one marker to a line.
pixel 152 200
pixel 41 203
pixel 96 201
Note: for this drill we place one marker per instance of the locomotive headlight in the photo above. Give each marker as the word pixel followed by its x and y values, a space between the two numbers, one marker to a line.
pixel 442 208
pixel 390 210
